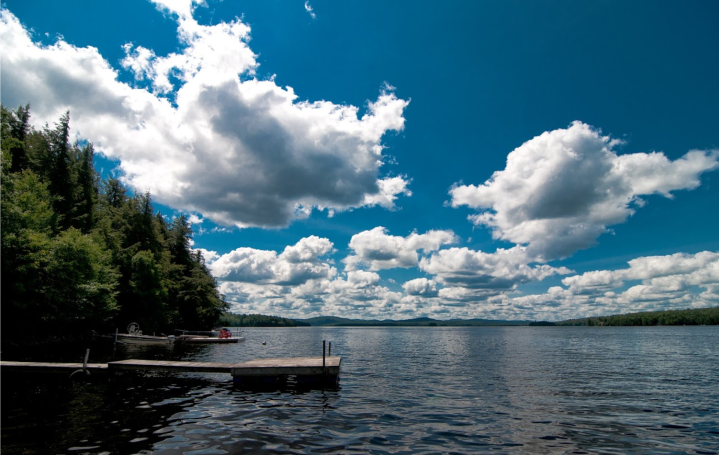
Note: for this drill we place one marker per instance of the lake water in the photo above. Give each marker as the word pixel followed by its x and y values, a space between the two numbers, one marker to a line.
pixel 538 390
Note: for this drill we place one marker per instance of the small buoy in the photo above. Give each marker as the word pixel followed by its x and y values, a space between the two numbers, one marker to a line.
pixel 264 343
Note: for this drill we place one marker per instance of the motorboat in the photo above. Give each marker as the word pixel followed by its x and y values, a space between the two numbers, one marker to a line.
pixel 144 339
pixel 134 336
pixel 209 340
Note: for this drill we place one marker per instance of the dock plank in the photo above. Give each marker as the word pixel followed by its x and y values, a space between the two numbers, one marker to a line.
pixel 48 367
pixel 299 366
pixel 178 366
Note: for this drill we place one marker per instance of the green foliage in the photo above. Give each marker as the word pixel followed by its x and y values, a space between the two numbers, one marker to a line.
pixel 80 281
pixel 699 316
pixel 15 128
pixel 86 190
pixel 81 254
pixel 27 221
pixel 147 293
pixel 257 320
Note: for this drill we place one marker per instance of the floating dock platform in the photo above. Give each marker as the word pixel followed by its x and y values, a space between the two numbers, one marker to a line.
pixel 207 340
pixel 263 372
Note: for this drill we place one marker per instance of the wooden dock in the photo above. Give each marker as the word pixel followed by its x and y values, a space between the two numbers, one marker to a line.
pixel 46 367
pixel 179 367
pixel 306 370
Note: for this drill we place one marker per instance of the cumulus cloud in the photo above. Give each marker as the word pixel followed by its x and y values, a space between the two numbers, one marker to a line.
pixel 301 282
pixel 378 250
pixel 422 287
pixel 561 190
pixel 208 255
pixel 303 279
pixel 662 283
pixel 182 8
pixel 297 264
pixel 358 294
pixel 308 249
pixel 491 273
pixel 208 136
pixel 389 189
pixel 697 269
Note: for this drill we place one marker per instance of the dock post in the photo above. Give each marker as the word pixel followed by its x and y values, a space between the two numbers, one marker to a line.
pixel 323 354
pixel 84 365
pixel 116 330
pixel 329 351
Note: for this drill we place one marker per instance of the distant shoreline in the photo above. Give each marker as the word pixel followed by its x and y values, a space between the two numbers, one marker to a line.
pixel 698 316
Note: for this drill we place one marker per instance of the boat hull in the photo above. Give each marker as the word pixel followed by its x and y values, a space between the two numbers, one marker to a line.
pixel 203 340
pixel 144 339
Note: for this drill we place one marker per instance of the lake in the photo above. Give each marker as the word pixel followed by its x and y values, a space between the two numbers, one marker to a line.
pixel 539 390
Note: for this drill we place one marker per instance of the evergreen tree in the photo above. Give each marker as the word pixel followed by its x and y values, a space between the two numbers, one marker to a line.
pixel 146 304
pixel 61 178
pixel 87 191
pixel 115 195
pixel 179 236
pixel 200 304
pixel 194 291
pixel 16 127
pixel 27 222
pixel 80 283
pixel 75 258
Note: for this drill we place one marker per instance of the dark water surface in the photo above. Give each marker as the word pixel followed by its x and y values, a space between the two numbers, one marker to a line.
pixel 652 390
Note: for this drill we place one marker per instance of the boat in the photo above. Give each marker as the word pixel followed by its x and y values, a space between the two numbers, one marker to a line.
pixel 134 336
pixel 210 340
pixel 127 338
pixel 222 336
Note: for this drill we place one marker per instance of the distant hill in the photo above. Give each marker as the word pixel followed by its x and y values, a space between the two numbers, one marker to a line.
pixel 700 316
pixel 333 321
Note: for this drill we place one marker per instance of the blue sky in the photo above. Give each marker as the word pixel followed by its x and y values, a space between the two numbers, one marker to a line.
pixel 501 160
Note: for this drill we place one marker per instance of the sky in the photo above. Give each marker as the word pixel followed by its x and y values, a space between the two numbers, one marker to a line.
pixel 506 160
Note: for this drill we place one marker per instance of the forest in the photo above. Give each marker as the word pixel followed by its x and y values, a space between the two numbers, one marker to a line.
pixel 82 254
pixel 698 316
pixel 257 320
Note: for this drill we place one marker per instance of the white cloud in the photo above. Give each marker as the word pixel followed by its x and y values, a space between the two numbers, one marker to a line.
pixel 301 282
pixel 182 8
pixel 561 190
pixel 194 219
pixel 378 250
pixel 139 61
pixel 209 256
pixel 650 269
pixel 389 189
pixel 309 9
pixel 209 137
pixel 422 287
pixel 674 281
pixel 358 295
pixel 490 273
pixel 296 265
pixel 308 249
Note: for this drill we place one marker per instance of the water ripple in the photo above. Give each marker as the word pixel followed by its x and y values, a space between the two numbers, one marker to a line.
pixel 403 390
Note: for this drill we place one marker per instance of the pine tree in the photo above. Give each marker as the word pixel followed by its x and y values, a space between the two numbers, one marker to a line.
pixel 15 128
pixel 56 167
pixel 87 191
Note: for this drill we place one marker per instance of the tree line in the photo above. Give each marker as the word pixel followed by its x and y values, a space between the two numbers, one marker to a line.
pixel 257 320
pixel 81 253
pixel 698 316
